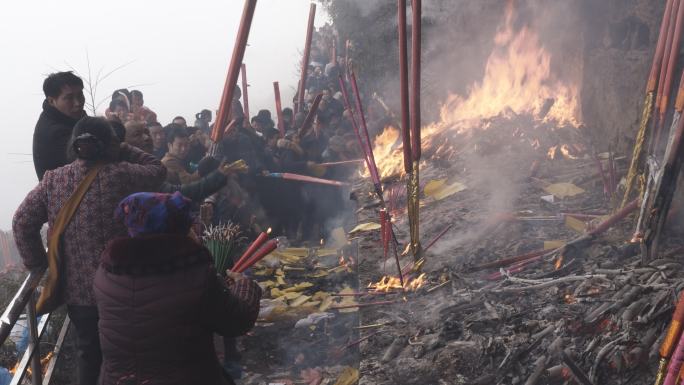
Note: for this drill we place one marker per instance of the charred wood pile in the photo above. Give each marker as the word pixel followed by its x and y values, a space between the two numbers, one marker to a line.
pixel 535 281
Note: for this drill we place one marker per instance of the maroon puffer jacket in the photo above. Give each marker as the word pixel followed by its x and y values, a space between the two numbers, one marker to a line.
pixel 160 301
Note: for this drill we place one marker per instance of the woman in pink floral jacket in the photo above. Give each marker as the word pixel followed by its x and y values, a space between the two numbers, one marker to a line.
pixel 127 170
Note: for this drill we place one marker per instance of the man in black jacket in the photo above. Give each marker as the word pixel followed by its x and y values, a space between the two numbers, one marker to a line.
pixel 62 108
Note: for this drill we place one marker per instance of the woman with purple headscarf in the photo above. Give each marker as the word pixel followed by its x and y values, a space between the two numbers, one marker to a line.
pixel 160 300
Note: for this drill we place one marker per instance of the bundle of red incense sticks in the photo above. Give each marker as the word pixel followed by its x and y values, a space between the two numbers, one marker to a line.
pixel 260 248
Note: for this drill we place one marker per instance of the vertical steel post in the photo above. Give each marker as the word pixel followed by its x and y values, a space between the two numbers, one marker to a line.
pixel 34 342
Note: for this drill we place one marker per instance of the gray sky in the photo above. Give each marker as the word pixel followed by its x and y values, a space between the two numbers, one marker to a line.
pixel 179 52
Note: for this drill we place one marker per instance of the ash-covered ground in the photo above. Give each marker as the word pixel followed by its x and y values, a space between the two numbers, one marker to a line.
pixel 593 310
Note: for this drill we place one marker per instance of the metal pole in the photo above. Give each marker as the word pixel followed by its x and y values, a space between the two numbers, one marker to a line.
pixel 305 59
pixel 56 351
pixel 34 340
pixel 233 70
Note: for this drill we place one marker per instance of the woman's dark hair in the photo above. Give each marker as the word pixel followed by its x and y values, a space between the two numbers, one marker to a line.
pixel 92 139
pixel 52 86
pixel 122 91
pixel 137 93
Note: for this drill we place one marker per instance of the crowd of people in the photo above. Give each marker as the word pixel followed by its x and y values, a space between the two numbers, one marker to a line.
pixel 126 198
pixel 197 167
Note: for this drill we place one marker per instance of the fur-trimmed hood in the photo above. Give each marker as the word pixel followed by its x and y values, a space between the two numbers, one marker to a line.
pixel 153 254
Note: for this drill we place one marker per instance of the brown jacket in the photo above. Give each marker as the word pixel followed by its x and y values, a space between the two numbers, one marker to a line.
pixel 176 171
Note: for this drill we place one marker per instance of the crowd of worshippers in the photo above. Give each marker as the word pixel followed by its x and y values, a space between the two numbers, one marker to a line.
pixel 120 194
pixel 255 202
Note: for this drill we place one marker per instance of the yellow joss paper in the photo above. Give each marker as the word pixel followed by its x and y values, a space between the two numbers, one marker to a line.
pixel 300 300
pixel 369 226
pixel 433 186
pixel 575 224
pixel 298 287
pixel 325 305
pixel 348 300
pixel 563 190
pixel 320 295
pixel 263 272
pixel 550 245
pixel 266 284
pixel 439 189
pixel 349 376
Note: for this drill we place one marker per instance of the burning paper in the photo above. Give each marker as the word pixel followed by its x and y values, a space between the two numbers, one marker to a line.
pixel 389 283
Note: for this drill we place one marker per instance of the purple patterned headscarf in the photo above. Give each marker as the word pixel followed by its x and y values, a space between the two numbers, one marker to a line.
pixel 155 213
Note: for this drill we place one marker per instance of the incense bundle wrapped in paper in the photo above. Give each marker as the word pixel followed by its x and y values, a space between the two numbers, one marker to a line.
pixel 223 243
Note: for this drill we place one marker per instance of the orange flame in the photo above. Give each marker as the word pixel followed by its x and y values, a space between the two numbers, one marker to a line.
pixel 517 80
pixel 389 283
pixel 559 263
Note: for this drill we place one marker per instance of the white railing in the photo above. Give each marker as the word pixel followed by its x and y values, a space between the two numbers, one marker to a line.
pixel 25 300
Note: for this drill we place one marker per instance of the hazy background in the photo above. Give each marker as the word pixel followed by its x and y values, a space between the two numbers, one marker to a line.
pixel 178 53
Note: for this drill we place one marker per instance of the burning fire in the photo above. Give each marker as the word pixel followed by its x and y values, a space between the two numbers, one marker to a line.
pixel 559 263
pixel 346 261
pixel 388 283
pixel 517 80
pixel 564 150
pixel 43 363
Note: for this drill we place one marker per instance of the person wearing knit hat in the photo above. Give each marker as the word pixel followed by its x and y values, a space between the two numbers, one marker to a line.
pixel 155 213
pixel 160 299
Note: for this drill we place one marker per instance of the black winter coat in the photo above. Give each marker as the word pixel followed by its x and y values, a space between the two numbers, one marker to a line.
pixel 199 190
pixel 50 139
